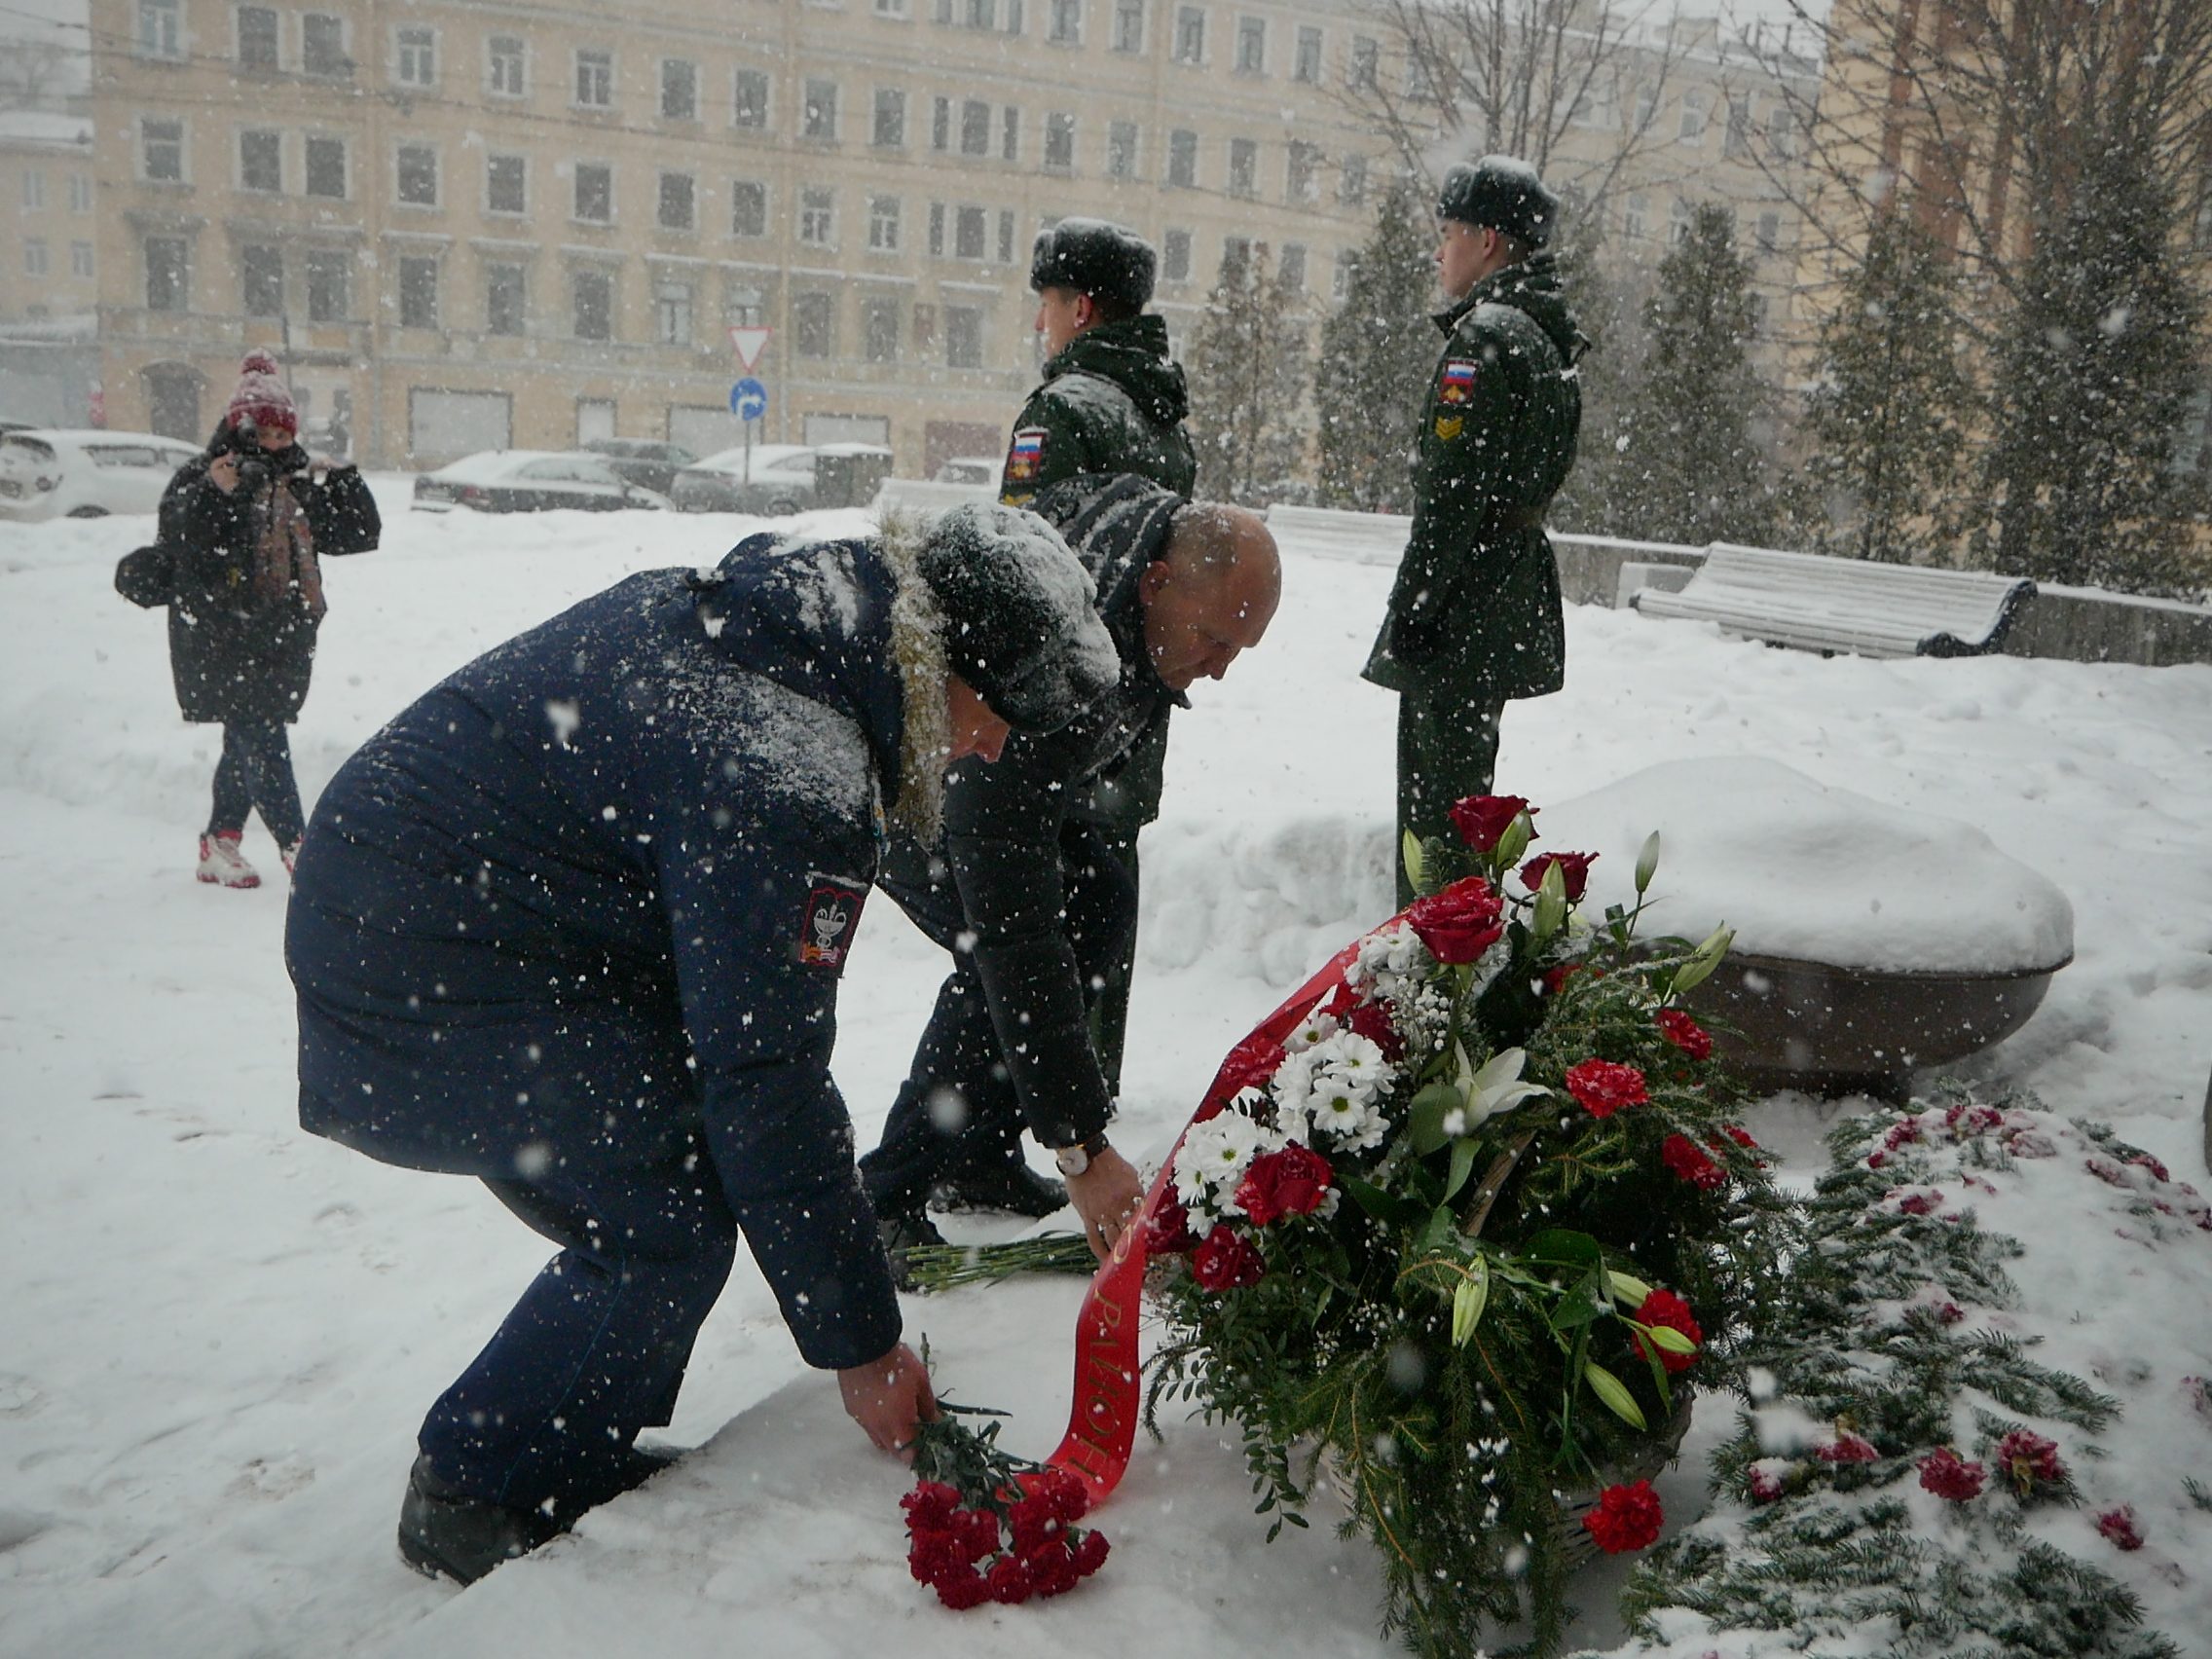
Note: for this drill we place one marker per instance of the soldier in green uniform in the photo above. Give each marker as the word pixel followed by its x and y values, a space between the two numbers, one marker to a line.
pixel 1474 619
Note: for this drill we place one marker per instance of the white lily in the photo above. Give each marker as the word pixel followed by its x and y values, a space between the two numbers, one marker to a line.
pixel 1495 1087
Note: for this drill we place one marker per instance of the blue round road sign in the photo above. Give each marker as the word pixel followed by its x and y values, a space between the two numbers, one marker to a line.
pixel 749 399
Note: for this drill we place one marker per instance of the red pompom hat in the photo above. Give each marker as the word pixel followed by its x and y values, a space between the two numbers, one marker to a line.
pixel 262 398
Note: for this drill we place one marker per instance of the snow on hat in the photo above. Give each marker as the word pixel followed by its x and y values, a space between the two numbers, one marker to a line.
pixel 1093 257
pixel 262 398
pixel 1021 615
pixel 1500 193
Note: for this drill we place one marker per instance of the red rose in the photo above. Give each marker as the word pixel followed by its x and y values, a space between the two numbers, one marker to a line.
pixel 1370 1019
pixel 1251 1064
pixel 1225 1260
pixel 1950 1476
pixel 1482 819
pixel 1680 1029
pixel 2118 1525
pixel 1009 1580
pixel 1664 1308
pixel 1574 872
pixel 1294 1181
pixel 1091 1553
pixel 1168 1233
pixel 1459 923
pixel 1627 1518
pixel 1605 1088
pixel 1682 1156
pixel 962 1589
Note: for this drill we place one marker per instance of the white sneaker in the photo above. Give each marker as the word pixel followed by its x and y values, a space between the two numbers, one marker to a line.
pixel 221 863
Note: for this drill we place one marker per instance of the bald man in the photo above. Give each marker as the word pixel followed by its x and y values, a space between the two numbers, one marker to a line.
pixel 1027 894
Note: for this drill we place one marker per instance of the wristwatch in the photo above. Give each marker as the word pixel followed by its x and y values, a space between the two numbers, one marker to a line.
pixel 1075 1160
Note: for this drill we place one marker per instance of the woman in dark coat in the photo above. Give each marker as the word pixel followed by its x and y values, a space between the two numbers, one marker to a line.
pixel 242 525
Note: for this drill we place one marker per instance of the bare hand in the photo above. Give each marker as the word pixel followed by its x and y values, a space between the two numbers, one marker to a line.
pixel 223 473
pixel 1106 1195
pixel 887 1397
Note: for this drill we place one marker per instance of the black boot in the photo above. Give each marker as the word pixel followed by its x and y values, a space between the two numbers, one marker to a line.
pixel 1011 1188
pixel 903 1232
pixel 442 1532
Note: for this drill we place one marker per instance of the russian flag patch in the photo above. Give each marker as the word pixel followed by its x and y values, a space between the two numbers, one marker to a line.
pixel 1026 458
pixel 1456 383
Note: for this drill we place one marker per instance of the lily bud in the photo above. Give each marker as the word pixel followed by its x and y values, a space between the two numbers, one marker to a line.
pixel 1551 902
pixel 1704 959
pixel 1409 849
pixel 1646 863
pixel 1628 1290
pixel 1514 842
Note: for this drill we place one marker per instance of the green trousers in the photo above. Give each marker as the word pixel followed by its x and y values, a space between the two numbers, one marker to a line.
pixel 1446 750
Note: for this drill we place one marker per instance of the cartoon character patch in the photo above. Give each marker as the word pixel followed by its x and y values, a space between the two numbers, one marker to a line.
pixel 1456 383
pixel 831 917
pixel 1026 458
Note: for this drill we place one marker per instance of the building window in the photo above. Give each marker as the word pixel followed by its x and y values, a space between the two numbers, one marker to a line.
pixel 890 130
pixel 679 89
pixel 1736 142
pixel 1183 159
pixel 330 280
pixel 323 46
pixel 974 127
pixel 1010 135
pixel 672 312
pixel 1635 218
pixel 1129 25
pixel 161 28
pixel 506 184
pixel 892 9
pixel 1236 258
pixel 34 189
pixel 595 80
pixel 162 150
pixel 419 293
pixel 750 106
pixel 168 277
pixel 962 337
pixel 879 320
pixel 1782 130
pixel 80 259
pixel 1352 180
pixel 1175 256
pixel 822 111
pixel 35 261
pixel 813 324
pixel 1291 272
pixel 1066 22
pixel 1365 56
pixel 505 299
pixel 261 162
pixel 1692 127
pixel 1121 149
pixel 1301 172
pixel 1251 46
pixel 937 230
pixel 818 217
pixel 1679 224
pixel 592 293
pixel 326 168
pixel 1243 166
pixel 883 224
pixel 416 58
pixel 1005 235
pixel 257 38
pixel 678 211
pixel 969 231
pixel 747 209
pixel 80 193
pixel 1059 142
pixel 595 193
pixel 1306 65
pixel 418 175
pixel 1770 233
pixel 941 124
pixel 1190 35
pixel 504 60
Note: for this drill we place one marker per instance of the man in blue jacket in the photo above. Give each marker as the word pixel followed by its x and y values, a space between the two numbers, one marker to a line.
pixel 574 924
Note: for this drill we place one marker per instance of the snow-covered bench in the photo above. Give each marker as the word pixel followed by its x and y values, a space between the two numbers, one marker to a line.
pixel 1821 603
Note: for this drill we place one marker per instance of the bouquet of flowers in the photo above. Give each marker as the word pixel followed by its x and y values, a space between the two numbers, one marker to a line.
pixel 1456 1236
pixel 986 1525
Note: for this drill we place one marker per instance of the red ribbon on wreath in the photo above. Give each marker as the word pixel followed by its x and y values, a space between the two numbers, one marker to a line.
pixel 1102 1421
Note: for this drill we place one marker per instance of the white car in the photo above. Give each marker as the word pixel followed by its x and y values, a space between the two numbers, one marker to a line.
pixel 529 480
pixel 50 472
pixel 969 469
pixel 770 478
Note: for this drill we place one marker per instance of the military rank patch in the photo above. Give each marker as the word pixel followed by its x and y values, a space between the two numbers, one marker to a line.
pixel 832 914
pixel 1456 383
pixel 1450 427
pixel 1026 458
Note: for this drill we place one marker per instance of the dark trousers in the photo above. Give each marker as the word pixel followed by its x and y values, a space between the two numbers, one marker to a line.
pixel 255 775
pixel 597 1347
pixel 958 1109
pixel 1446 750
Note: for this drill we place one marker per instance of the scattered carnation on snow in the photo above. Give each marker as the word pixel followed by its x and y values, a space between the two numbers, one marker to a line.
pixel 2031 1461
pixel 1951 1477
pixel 1847 1447
pixel 2121 1527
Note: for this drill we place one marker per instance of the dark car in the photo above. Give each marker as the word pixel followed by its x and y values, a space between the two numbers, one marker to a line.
pixel 529 480
pixel 643 463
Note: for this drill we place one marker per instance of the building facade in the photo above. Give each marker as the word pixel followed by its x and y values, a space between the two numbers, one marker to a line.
pixel 50 271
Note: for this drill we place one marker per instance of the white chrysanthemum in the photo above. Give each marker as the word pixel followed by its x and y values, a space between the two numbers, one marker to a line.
pixel 1390 963
pixel 1214 1157
pixel 1315 1029
pixel 1344 1114
pixel 1354 1063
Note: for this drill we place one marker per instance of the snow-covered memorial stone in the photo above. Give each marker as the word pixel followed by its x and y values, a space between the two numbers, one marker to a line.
pixel 1870 941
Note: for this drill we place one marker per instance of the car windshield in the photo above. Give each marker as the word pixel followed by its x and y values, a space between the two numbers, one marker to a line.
pixel 123 455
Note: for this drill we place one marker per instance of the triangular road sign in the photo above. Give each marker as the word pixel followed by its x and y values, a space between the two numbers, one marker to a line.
pixel 749 344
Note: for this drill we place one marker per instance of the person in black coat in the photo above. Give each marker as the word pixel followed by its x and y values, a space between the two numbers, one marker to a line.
pixel 244 525
pixel 574 924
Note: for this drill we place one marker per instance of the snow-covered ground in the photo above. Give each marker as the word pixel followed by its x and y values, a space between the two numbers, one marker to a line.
pixel 221 1333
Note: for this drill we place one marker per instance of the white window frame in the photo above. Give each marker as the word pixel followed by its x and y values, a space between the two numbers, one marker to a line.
pixel 767 204
pixel 575 172
pixel 660 202
pixel 1250 27
pixel 237 36
pixel 494 59
pixel 595 59
pixel 437 176
pixel 492 156
pixel 245 133
pixel 885 214
pixel 160 33
pixel 307 170
pixel 344 68
pixel 737 77
pixel 408 40
pixel 146 173
pixel 817 216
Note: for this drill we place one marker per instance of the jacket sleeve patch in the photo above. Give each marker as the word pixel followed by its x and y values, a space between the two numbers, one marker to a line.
pixel 1026 458
pixel 832 916
pixel 1456 384
pixel 1450 427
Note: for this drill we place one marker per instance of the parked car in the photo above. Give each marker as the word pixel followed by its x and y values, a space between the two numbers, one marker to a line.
pixel 53 472
pixel 777 478
pixel 529 480
pixel 969 469
pixel 643 463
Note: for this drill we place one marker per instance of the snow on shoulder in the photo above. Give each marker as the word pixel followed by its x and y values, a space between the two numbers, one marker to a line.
pixel 1803 870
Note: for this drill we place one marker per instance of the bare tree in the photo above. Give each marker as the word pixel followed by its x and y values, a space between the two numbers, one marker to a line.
pixel 33 72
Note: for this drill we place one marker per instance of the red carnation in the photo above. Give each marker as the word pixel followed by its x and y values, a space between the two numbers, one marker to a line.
pixel 1848 1448
pixel 1950 1476
pixel 1605 1088
pixel 1685 1033
pixel 1033 1522
pixel 1459 923
pixel 1555 979
pixel 1482 819
pixel 1009 1580
pixel 1574 872
pixel 1627 1518
pixel 1225 1260
pixel 1091 1553
pixel 2118 1525
pixel 961 1589
pixel 1737 1133
pixel 1370 1019
pixel 1664 1308
pixel 2029 1459
pixel 1682 1156
pixel 1168 1232
pixel 1052 1569
pixel 1294 1181
pixel 929 1505
pixel 977 1533
pixel 1062 1491
pixel 934 1553
pixel 1767 1486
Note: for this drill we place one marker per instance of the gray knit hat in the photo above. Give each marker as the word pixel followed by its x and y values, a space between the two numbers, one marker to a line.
pixel 1021 615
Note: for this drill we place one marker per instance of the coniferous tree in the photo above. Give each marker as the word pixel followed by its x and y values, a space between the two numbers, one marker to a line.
pixel 1607 296
pixel 1887 419
pixel 1377 352
pixel 1249 375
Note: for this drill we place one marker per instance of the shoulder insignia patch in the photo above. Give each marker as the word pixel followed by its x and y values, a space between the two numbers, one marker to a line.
pixel 832 916
pixel 1450 427
pixel 1456 382
pixel 1026 458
